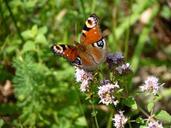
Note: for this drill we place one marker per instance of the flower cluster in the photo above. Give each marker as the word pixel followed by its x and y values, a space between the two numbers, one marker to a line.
pixel 105 93
pixel 115 58
pixel 119 120
pixel 155 124
pixel 151 85
pixel 84 77
pixel 124 68
pixel 107 89
pixel 116 62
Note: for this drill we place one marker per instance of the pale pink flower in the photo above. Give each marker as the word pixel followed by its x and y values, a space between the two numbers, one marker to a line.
pixel 124 68
pixel 151 85
pixel 119 120
pixel 84 86
pixel 84 77
pixel 106 93
pixel 155 124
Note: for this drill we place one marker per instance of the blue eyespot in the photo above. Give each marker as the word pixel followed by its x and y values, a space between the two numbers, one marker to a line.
pixel 99 43
pixel 77 61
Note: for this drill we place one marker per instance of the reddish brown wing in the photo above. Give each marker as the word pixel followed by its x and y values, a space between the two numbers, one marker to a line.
pixel 91 32
pixel 67 51
pixel 90 52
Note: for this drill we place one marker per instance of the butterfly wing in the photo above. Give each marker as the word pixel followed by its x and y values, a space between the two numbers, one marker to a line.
pixel 74 54
pixel 91 31
pixel 93 40
pixel 67 51
pixel 92 49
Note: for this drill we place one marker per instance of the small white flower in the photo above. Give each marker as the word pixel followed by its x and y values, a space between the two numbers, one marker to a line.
pixel 123 68
pixel 119 120
pixel 84 77
pixel 151 85
pixel 155 124
pixel 84 86
pixel 106 93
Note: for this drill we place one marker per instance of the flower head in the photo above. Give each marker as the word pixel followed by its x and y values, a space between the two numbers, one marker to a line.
pixel 124 68
pixel 151 85
pixel 114 59
pixel 119 120
pixel 155 124
pixel 84 77
pixel 106 93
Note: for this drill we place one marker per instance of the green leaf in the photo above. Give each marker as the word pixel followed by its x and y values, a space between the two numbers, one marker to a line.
pixel 150 106
pixel 163 116
pixel 28 46
pixel 40 38
pixel 143 126
pixel 166 12
pixel 130 102
pixel 43 30
pixel 30 34
pixel 140 120
pixel 30 4
pixel 1 123
pixel 34 30
pixel 94 113
pixel 81 121
pixel 11 49
pixel 27 34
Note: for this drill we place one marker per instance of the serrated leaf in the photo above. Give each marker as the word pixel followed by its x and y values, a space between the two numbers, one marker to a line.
pixel 150 106
pixel 43 30
pixel 130 102
pixel 27 34
pixel 163 116
pixel 28 46
pixel 40 38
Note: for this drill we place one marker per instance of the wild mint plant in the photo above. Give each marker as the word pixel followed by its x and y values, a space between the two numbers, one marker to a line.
pixel 119 120
pixel 109 86
pixel 45 93
pixel 151 85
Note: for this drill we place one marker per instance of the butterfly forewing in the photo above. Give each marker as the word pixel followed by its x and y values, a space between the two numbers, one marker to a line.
pixel 67 51
pixel 91 31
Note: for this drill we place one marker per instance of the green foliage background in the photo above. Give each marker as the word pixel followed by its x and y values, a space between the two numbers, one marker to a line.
pixel 44 85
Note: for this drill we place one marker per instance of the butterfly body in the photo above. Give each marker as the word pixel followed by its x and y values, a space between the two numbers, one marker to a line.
pixel 90 52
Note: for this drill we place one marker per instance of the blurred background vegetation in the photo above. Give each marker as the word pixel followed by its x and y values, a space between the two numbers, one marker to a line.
pixel 38 89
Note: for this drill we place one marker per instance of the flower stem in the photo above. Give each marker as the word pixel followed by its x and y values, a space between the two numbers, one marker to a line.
pixel 144 112
pixel 94 115
pixel 95 119
pixel 129 124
